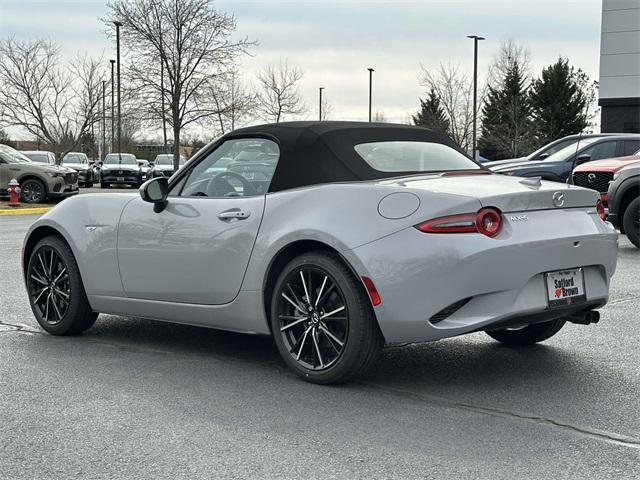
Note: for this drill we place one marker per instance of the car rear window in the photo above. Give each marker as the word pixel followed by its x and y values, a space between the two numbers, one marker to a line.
pixel 411 156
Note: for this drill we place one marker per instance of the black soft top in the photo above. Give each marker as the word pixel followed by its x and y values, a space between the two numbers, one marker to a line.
pixel 323 152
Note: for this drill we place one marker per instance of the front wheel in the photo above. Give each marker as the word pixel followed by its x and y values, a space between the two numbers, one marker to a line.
pixel 33 191
pixel 322 321
pixel 55 289
pixel 518 337
pixel 631 222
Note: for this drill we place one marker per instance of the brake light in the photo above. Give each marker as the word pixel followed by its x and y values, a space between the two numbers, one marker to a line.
pixel 487 221
pixel 600 209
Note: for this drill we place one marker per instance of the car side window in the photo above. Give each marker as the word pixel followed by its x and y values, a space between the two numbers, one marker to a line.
pixel 601 150
pixel 557 147
pixel 631 147
pixel 241 167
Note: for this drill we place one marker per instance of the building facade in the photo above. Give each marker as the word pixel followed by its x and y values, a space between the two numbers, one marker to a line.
pixel 619 96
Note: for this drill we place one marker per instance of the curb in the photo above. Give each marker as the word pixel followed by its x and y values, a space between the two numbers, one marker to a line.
pixel 25 211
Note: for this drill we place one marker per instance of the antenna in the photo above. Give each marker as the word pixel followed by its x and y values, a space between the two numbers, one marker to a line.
pixel 575 157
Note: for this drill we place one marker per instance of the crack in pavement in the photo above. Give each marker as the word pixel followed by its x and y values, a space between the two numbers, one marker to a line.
pixel 609 437
pixel 623 300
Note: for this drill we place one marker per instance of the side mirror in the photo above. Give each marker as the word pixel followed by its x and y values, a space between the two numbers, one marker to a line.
pixel 542 156
pixel 155 191
pixel 585 157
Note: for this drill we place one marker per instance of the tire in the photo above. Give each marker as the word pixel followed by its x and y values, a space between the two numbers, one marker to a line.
pixel 337 347
pixel 52 259
pixel 631 222
pixel 104 185
pixel 33 190
pixel 528 335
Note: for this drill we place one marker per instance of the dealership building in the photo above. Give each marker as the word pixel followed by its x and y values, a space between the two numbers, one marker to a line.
pixel 620 66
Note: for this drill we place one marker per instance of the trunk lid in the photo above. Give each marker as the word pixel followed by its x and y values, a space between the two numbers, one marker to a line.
pixel 508 194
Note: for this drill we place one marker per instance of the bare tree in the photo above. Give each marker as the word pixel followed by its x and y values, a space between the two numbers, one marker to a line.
pixel 509 55
pixel 278 94
pixel 175 48
pixel 379 116
pixel 327 109
pixel 234 101
pixel 454 89
pixel 54 103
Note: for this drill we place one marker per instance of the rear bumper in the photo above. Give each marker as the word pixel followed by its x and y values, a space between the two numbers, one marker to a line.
pixel 501 278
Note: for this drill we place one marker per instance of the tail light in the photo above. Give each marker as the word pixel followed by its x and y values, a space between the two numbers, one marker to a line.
pixel 487 221
pixel 600 209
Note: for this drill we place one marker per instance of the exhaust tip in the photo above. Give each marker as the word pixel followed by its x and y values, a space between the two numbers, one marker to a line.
pixel 585 318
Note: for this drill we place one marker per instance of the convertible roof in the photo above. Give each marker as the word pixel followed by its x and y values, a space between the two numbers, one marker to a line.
pixel 323 152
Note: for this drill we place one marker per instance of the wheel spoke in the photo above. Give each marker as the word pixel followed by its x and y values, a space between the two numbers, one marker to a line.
pixel 46 312
pixel 42 291
pixel 44 269
pixel 326 294
pixel 39 280
pixel 296 322
pixel 51 265
pixel 324 282
pixel 304 285
pixel 293 303
pixel 304 339
pixel 339 309
pixel 63 295
pixel 55 308
pixel 314 336
pixel 331 336
pixel 64 269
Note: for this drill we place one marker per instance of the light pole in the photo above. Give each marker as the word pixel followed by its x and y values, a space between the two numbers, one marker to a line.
pixel 320 104
pixel 113 116
pixel 476 39
pixel 371 70
pixel 164 121
pixel 118 25
pixel 104 121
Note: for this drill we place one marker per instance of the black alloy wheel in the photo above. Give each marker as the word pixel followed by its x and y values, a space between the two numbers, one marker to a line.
pixel 55 289
pixel 631 222
pixel 322 320
pixel 32 191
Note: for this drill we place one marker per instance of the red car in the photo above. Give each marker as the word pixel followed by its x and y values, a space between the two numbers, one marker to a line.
pixel 596 175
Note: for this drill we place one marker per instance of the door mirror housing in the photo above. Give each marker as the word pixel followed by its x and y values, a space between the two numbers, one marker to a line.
pixel 542 156
pixel 155 191
pixel 585 157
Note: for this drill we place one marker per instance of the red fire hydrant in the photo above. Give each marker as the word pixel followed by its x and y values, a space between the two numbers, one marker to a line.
pixel 14 193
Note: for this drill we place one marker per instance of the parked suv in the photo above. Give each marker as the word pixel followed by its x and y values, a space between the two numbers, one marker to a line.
pixel 38 181
pixel 120 169
pixel 558 167
pixel 624 201
pixel 81 164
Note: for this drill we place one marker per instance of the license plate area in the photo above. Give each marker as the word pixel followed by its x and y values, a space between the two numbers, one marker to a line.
pixel 120 179
pixel 565 287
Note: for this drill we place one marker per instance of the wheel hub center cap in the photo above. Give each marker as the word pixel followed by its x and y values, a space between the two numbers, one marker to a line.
pixel 315 318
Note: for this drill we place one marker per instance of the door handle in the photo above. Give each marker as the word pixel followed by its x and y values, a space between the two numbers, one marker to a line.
pixel 234 213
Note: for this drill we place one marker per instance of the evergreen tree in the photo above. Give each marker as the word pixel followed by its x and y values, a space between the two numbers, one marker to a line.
pixel 507 130
pixel 558 101
pixel 432 114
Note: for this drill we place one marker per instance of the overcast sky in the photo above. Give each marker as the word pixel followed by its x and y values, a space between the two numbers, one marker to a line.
pixel 335 41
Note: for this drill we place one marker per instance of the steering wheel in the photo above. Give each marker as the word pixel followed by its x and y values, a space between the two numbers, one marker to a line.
pixel 247 187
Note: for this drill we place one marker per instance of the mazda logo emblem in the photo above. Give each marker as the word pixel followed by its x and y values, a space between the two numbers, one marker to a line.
pixel 558 199
pixel 591 177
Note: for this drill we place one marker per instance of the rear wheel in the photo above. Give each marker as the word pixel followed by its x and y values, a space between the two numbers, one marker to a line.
pixel 55 289
pixel 631 222
pixel 33 191
pixel 104 185
pixel 518 337
pixel 322 321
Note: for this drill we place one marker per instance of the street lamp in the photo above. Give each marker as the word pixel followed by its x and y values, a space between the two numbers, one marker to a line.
pixel 371 70
pixel 113 116
pixel 118 25
pixel 476 39
pixel 320 104
pixel 103 149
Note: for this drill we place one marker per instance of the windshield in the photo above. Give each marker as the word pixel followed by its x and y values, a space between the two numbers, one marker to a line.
pixel 127 159
pixel 75 158
pixel 408 156
pixel 167 159
pixel 10 155
pixel 569 150
pixel 38 157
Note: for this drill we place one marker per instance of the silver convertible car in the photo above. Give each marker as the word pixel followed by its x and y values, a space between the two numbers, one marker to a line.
pixel 334 238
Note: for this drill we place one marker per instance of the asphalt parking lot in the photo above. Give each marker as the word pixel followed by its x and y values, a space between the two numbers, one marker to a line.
pixel 133 398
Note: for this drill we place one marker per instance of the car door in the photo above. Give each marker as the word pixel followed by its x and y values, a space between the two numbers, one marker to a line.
pixel 196 250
